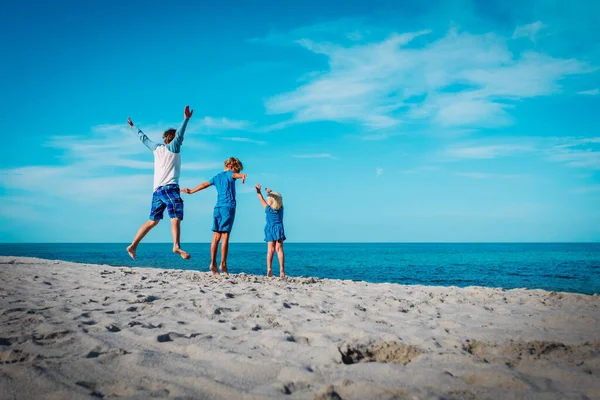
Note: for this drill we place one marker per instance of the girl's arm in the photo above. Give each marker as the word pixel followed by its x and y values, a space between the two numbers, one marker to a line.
pixel 239 176
pixel 196 189
pixel 260 196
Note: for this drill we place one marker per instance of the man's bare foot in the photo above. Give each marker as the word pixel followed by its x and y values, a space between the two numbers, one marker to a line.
pixel 281 274
pixel 269 273
pixel 182 253
pixel 214 270
pixel 131 251
pixel 224 269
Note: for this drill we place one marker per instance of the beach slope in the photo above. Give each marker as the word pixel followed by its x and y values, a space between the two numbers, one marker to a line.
pixel 72 330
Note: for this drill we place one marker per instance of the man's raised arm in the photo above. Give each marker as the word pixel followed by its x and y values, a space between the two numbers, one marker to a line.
pixel 145 139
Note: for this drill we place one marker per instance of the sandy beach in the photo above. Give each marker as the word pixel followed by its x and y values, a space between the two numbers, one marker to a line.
pixel 87 331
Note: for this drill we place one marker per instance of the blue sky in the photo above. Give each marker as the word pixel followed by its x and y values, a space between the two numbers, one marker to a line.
pixel 376 120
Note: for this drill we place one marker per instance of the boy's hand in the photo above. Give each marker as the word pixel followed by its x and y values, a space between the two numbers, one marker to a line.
pixel 186 190
pixel 187 113
pixel 129 121
pixel 257 186
pixel 244 178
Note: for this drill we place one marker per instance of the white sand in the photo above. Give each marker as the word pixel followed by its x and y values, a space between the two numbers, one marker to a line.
pixel 76 330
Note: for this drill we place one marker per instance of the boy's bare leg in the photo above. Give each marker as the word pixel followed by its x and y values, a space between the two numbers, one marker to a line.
pixel 270 253
pixel 224 251
pixel 176 232
pixel 144 229
pixel 281 256
pixel 213 253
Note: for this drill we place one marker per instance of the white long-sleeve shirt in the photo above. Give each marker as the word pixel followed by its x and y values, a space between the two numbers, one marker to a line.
pixel 167 159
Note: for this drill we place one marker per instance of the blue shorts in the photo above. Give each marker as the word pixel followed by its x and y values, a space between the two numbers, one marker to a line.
pixel 223 219
pixel 166 197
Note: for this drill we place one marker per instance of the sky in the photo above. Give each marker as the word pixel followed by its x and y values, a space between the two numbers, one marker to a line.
pixel 378 121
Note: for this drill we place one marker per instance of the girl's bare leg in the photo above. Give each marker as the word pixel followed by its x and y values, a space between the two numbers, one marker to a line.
pixel 281 256
pixel 270 252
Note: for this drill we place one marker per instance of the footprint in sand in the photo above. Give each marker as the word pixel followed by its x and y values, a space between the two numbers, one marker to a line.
pixel 13 356
pixel 50 338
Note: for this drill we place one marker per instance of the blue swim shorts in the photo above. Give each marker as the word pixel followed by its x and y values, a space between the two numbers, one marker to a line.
pixel 168 197
pixel 223 219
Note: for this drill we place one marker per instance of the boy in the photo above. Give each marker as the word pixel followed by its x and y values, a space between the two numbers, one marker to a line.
pixel 224 213
pixel 167 166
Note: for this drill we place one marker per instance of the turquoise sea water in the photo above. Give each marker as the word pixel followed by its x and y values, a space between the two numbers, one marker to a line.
pixel 571 267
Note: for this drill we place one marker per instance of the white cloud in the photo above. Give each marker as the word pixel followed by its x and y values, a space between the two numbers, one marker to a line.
pixel 224 123
pixel 528 31
pixel 379 171
pixel 320 155
pixel 457 80
pixel 245 140
pixel 109 164
pixel 485 175
pixel 591 92
pixel 587 189
pixel 487 151
pixel 424 168
pixel 581 152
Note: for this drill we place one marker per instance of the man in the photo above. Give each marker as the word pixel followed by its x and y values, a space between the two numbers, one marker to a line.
pixel 167 166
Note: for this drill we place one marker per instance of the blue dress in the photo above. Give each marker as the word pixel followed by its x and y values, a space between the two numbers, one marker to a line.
pixel 274 227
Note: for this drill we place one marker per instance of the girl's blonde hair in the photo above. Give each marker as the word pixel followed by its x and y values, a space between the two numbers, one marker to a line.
pixel 274 200
pixel 234 164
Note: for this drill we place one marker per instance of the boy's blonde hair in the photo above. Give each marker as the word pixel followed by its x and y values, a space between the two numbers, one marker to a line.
pixel 234 164
pixel 274 200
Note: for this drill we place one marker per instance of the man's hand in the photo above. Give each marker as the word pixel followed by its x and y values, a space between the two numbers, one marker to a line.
pixel 257 186
pixel 187 113
pixel 129 121
pixel 186 190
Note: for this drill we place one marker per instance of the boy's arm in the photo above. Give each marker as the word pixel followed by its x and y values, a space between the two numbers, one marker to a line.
pixel 260 196
pixel 198 188
pixel 145 139
pixel 175 145
pixel 239 176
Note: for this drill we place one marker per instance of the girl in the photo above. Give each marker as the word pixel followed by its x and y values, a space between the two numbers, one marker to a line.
pixel 274 233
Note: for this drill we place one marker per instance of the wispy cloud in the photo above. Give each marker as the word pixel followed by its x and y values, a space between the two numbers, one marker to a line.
pixel 224 123
pixel 107 163
pixel 487 151
pixel 486 175
pixel 244 140
pixel 320 155
pixel 460 79
pixel 581 152
pixel 529 31
pixel 587 189
pixel 591 92
pixel 423 168
pixel 379 171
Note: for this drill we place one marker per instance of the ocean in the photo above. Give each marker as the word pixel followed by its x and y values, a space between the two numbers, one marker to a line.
pixel 568 267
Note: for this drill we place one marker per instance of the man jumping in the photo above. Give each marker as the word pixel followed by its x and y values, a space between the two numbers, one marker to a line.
pixel 167 166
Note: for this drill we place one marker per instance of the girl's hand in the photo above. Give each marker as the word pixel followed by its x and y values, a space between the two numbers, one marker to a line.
pixel 268 190
pixel 244 178
pixel 257 186
pixel 186 190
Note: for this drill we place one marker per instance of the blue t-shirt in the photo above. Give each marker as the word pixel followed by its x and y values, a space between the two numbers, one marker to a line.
pixel 225 185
